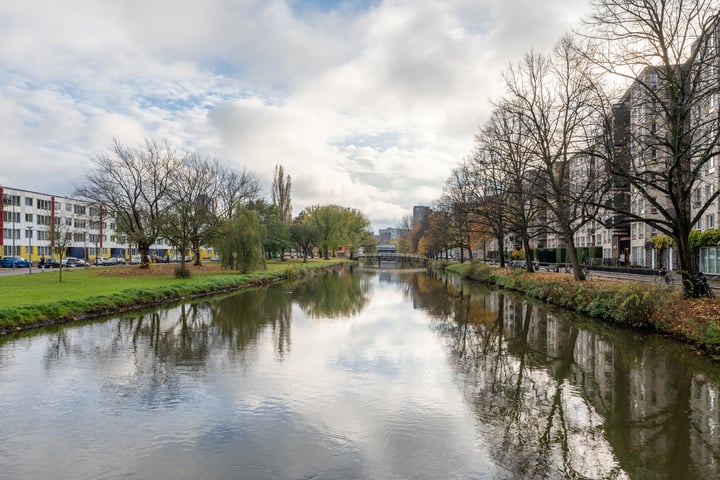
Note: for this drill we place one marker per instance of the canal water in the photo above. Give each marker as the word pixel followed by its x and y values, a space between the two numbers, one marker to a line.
pixel 355 375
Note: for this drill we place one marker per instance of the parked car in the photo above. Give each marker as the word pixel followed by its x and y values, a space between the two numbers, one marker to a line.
pixel 109 261
pixel 14 262
pixel 51 263
pixel 135 260
pixel 72 262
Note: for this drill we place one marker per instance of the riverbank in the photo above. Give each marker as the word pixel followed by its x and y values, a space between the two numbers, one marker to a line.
pixel 40 299
pixel 633 304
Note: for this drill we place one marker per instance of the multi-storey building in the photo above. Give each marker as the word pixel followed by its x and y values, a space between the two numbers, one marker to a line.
pixel 35 224
pixel 387 235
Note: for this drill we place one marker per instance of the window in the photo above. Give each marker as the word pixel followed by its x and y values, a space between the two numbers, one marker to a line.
pixel 80 223
pixel 11 217
pixel 710 220
pixel 68 207
pixel 68 222
pixel 28 201
pixel 29 217
pixel 11 234
pixel 653 80
pixel 43 219
pixel 94 211
pixel 44 204
pixel 79 209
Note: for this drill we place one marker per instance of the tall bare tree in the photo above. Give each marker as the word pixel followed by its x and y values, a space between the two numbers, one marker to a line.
pixel 193 219
pixel 133 184
pixel 667 51
pixel 559 104
pixel 506 140
pixel 457 201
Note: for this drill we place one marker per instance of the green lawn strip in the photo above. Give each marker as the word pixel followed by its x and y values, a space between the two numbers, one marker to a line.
pixel 29 300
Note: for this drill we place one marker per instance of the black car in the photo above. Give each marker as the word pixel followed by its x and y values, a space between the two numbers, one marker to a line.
pixel 50 263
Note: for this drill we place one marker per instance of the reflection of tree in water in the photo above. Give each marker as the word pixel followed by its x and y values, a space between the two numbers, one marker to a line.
pixel 240 318
pixel 332 294
pixel 561 402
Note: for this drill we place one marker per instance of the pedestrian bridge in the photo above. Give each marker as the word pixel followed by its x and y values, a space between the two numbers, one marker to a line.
pixel 392 257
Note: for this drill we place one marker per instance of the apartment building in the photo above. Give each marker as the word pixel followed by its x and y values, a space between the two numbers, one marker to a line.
pixel 31 221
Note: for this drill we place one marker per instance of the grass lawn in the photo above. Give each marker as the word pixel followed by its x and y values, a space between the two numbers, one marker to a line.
pixel 41 297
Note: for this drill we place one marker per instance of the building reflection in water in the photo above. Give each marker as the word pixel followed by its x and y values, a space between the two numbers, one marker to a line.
pixel 575 399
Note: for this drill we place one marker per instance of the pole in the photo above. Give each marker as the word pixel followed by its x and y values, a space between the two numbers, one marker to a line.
pixel 12 198
pixel 30 230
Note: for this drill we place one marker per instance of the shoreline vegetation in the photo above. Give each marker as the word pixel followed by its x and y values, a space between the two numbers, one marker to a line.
pixel 40 299
pixel 37 300
pixel 634 304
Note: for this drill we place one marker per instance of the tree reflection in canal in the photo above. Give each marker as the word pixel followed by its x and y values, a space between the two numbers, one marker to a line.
pixel 576 402
pixel 356 375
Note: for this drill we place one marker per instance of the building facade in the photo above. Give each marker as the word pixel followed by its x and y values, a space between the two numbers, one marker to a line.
pixel 36 225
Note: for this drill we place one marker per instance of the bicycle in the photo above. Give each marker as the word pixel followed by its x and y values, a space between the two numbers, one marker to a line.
pixel 664 277
pixel 586 273
pixel 701 285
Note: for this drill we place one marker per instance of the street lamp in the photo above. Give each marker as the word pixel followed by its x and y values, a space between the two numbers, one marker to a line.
pixel 30 230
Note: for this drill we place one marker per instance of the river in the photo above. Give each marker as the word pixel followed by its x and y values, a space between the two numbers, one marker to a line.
pixel 355 375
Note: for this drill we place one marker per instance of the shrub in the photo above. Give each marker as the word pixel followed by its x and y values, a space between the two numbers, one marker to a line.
pixel 181 272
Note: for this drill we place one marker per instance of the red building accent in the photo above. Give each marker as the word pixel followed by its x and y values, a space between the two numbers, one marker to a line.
pixel 2 217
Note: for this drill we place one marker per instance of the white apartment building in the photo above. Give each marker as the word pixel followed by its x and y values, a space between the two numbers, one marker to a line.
pixel 31 220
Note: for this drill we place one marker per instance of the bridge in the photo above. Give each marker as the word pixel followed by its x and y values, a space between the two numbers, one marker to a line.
pixel 392 257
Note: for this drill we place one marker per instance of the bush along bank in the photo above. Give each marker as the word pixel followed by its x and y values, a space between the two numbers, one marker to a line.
pixel 638 305
pixel 53 313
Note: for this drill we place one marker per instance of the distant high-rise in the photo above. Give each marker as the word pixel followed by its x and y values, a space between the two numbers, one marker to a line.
pixel 387 235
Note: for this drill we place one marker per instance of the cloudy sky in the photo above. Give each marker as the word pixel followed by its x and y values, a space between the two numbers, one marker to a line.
pixel 366 103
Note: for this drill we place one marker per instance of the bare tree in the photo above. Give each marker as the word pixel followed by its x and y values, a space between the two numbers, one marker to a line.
pixel 192 221
pixel 490 193
pixel 133 185
pixel 557 100
pixel 237 188
pixel 457 201
pixel 507 141
pixel 667 52
pixel 403 242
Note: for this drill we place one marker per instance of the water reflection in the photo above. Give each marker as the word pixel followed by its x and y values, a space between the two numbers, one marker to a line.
pixel 570 402
pixel 355 375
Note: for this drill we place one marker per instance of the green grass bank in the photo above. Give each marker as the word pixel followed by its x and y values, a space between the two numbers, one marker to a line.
pixel 29 301
pixel 633 304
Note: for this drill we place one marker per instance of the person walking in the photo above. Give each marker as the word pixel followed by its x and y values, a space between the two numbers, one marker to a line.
pixel 42 263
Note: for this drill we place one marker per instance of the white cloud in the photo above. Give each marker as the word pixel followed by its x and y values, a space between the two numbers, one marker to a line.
pixel 367 105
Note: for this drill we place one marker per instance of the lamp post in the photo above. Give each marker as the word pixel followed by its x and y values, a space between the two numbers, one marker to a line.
pixel 30 230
